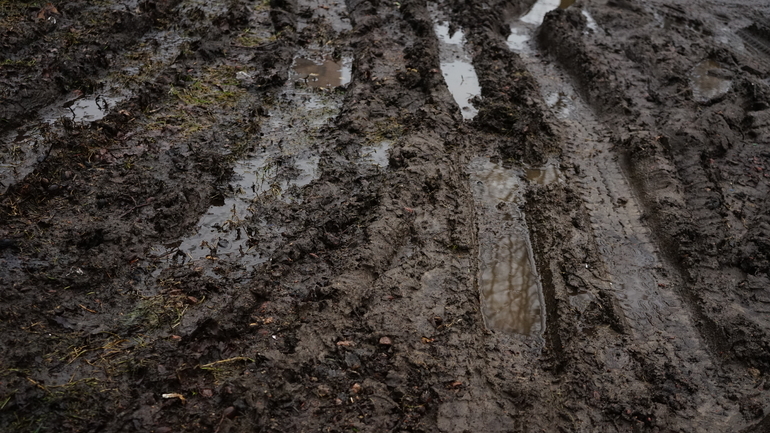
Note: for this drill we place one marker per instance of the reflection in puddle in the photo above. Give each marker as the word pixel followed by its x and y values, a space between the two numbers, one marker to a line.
pixel 458 72
pixel 541 7
pixel 543 176
pixel 83 109
pixel 89 110
pixel 709 81
pixel 560 103
pixel 325 74
pixel 511 294
pixel 460 77
pixel 518 39
pixel 442 31
pixel 377 154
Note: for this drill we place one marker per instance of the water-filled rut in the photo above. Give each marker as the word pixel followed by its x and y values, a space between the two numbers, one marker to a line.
pixel 657 318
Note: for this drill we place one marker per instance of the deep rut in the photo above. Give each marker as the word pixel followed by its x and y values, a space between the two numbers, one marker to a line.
pixel 645 286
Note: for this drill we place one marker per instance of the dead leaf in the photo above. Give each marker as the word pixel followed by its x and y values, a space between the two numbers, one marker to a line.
pixel 46 11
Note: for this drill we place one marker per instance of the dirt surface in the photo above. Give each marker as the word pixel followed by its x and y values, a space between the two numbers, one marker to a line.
pixel 462 216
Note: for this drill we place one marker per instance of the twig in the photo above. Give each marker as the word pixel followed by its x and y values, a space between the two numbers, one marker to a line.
pixel 37 384
pixel 237 358
pixel 134 208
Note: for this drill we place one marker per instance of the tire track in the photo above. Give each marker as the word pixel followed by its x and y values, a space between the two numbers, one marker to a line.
pixel 659 321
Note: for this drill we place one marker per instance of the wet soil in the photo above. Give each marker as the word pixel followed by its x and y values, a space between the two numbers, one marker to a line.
pixel 453 216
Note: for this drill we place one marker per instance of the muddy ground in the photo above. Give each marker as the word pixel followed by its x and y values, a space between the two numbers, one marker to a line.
pixel 460 216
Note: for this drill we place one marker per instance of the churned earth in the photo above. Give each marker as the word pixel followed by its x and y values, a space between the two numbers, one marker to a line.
pixel 452 216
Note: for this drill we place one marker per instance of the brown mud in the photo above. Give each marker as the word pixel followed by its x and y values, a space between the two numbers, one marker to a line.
pixel 454 216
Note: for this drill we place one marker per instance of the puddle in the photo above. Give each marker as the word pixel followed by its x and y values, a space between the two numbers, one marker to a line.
pixel 560 103
pixel 519 38
pixel 377 154
pixel 456 67
pixel 83 109
pixel 709 81
pixel 523 28
pixel 510 289
pixel 328 73
pixel 581 301
pixel 544 175
pixel 286 159
pixel 541 7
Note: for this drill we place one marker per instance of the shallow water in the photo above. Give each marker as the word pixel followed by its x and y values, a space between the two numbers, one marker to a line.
pixel 708 81
pixel 523 28
pixel 538 11
pixel 510 289
pixel 561 103
pixel 85 109
pixel 285 159
pixel 457 69
pixel 327 73
pixel 377 154
pixel 519 38
pixel 543 175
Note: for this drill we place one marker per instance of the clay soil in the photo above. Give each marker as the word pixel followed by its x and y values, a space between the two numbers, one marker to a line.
pixel 346 296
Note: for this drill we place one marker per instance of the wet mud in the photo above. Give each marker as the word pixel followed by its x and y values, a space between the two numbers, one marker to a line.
pixel 453 216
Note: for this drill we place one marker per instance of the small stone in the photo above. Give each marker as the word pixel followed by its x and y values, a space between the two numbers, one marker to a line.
pixel 228 412
pixel 356 388
pixel 386 341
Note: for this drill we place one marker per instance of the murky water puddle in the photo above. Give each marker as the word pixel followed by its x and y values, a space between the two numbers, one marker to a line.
pixel 510 289
pixel 709 81
pixel 456 67
pixel 538 10
pixel 87 109
pixel 377 154
pixel 286 160
pixel 324 73
pixel 543 175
